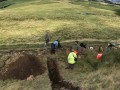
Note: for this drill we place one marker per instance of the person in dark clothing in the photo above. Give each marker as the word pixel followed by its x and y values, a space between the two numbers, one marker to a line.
pixel 110 45
pixel 76 46
pixel 57 44
pixel 83 47
pixel 52 48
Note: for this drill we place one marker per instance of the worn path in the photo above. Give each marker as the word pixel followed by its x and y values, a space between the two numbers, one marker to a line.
pixel 8 47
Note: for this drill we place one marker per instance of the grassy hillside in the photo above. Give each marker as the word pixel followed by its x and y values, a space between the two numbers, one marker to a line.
pixel 88 73
pixel 26 21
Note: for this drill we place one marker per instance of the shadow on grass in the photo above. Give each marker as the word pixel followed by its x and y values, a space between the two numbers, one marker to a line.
pixel 71 32
pixel 5 4
pixel 117 12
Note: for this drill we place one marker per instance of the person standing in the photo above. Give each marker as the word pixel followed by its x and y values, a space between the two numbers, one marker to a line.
pixel 76 47
pixel 52 51
pixel 83 47
pixel 47 39
pixel 72 58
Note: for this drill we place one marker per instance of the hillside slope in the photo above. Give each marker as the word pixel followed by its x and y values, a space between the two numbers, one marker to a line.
pixel 24 22
pixel 27 20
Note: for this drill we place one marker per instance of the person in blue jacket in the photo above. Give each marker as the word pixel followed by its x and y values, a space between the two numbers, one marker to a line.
pixel 56 44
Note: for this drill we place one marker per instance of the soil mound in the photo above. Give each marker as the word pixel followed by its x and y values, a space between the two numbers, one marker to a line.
pixel 21 66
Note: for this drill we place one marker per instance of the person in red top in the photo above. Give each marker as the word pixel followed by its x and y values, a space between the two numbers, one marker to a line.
pixel 100 54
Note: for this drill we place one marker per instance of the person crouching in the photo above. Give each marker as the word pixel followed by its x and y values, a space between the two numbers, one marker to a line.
pixel 52 51
pixel 54 46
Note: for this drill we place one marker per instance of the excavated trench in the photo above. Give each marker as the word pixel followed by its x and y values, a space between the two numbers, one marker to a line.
pixel 21 66
pixel 57 82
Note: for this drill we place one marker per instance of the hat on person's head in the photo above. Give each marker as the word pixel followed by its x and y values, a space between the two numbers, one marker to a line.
pixel 75 52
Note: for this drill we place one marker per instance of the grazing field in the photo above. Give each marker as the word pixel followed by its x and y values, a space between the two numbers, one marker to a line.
pixel 22 27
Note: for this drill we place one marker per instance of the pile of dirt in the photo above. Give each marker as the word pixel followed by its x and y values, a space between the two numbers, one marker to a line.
pixel 57 82
pixel 20 66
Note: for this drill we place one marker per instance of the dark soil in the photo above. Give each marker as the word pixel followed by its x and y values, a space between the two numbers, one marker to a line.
pixel 21 66
pixel 57 82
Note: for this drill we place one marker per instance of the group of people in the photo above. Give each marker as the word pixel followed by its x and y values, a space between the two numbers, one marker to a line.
pixel 75 51
pixel 54 46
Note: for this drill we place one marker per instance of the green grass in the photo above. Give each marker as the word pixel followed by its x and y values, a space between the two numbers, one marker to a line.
pixel 26 21
pixel 27 85
pixel 88 73
pixel 91 73
pixel 5 4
